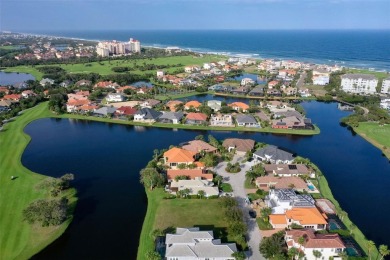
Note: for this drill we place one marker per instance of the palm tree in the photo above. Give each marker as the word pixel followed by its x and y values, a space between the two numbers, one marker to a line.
pixel 317 254
pixel 343 254
pixel 384 251
pixel 251 175
pixel 186 192
pixel 265 212
pixel 370 246
pixel 201 193
pixel 292 252
pixel 218 179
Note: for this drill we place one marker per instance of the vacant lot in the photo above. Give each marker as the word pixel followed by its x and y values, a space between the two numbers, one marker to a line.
pixel 376 134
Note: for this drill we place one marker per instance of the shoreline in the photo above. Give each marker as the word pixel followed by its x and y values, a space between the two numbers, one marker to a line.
pixel 227 53
pixel 22 240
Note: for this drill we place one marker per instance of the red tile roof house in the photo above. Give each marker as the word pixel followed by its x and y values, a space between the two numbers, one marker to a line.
pixel 125 111
pixel 196 119
pixel 12 97
pixel 199 146
pixel 268 182
pixel 190 173
pixel 5 90
pixel 176 156
pixel 106 84
pixel 239 106
pixel 240 145
pixel 192 104
pixel 330 245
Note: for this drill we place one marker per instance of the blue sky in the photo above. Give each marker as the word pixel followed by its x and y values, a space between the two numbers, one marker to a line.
pixel 51 15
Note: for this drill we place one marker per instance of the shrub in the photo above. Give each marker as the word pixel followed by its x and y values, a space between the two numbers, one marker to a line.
pixel 47 212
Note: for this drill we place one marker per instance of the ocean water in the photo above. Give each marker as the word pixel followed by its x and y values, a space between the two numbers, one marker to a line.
pixel 351 48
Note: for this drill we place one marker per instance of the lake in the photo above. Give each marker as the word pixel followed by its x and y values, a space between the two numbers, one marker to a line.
pixel 106 160
pixel 10 78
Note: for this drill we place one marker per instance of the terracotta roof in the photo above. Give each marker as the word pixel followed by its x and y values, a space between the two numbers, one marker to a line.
pixel 177 155
pixel 306 216
pixel 286 169
pixel 241 145
pixel 171 104
pixel 193 103
pixel 241 105
pixel 190 173
pixel 278 219
pixel 198 145
pixel 282 182
pixel 197 116
pixel 12 97
pixel 126 110
pixel 315 240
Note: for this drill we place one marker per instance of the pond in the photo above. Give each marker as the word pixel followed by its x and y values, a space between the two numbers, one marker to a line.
pixel 257 78
pixel 106 160
pixel 10 78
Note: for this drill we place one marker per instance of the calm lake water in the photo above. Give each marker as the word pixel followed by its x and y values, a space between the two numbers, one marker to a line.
pixel 106 160
pixel 10 78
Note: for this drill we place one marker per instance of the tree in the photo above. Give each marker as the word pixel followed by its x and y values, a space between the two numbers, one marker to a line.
pixel 218 179
pixel 47 212
pixel 292 252
pixel 317 254
pixel 343 254
pixel 265 212
pixel 213 141
pixel 151 178
pixel 201 193
pixel 291 185
pixel 210 160
pixel 186 192
pixel 384 251
pixel 301 241
pixel 272 246
pixel 252 176
pixel 153 255
pixel 199 137
pixel 155 153
pixel 157 233
pixel 370 246
pixel 239 255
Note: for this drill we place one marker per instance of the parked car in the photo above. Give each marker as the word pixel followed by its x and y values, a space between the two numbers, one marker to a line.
pixel 252 214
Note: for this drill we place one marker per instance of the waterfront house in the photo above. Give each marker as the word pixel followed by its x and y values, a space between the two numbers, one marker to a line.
pixel 272 84
pixel 291 122
pixel 221 120
pixel 273 154
pixel 170 117
pixel 320 77
pixel 125 111
pixel 4 89
pixel 241 146
pixel 173 104
pixel 191 174
pixel 239 106
pixel 247 81
pixel 73 105
pixel 240 90
pixel 286 170
pixel 194 186
pixel 359 83
pixel 196 118
pixel 330 245
pixel 147 115
pixel 191 243
pixel 274 92
pixel 289 91
pixel 276 182
pixel 246 121
pixel 306 217
pixel 258 91
pixel 115 97
pixel 12 97
pixel 175 156
pixel 20 85
pixel 194 104
pixel 281 200
pixel 198 147
pixel 104 111
pixel 215 105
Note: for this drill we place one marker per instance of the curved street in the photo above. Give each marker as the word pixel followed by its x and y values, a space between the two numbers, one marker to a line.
pixel 237 180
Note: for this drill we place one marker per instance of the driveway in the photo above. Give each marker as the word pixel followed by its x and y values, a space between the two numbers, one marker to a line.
pixel 237 181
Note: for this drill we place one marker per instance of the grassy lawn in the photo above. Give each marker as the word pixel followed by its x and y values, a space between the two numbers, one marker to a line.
pixel 105 67
pixel 20 240
pixel 379 75
pixel 171 213
pixel 248 184
pixel 317 90
pixel 8 47
pixel 375 134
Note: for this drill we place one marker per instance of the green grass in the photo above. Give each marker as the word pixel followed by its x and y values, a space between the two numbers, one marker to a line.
pixel 248 184
pixel 358 235
pixel 8 47
pixel 171 213
pixel 20 240
pixel 105 67
pixel 375 134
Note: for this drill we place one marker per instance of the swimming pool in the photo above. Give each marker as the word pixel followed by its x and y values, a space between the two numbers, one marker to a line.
pixel 311 187
pixel 333 225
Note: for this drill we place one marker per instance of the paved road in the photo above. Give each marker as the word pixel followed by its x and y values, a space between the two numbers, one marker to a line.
pixel 237 181
pixel 301 80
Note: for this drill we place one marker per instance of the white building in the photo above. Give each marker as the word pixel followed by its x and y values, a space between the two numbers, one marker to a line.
pixel 114 97
pixel 247 81
pixel 195 186
pixel 160 74
pixel 359 83
pixel 329 245
pixel 135 45
pixel 320 77
pixel 191 243
pixel 281 200
pixel 106 48
pixel 386 86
